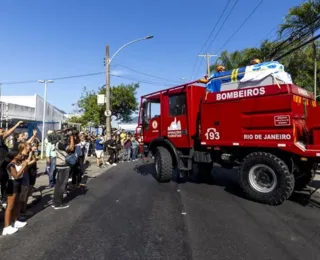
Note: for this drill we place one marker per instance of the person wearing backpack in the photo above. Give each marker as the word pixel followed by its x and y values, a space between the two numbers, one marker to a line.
pixel 65 157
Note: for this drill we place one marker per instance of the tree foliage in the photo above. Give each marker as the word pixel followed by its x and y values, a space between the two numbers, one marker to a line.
pixel 299 25
pixel 123 104
pixel 76 119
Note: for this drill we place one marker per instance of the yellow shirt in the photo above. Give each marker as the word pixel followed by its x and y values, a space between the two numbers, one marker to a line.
pixel 123 136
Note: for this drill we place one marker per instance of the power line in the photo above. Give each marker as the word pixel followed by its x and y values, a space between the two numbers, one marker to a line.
pixel 207 56
pixel 223 23
pixel 143 81
pixel 146 74
pixel 81 76
pixel 265 37
pixel 249 16
pixel 287 35
pixel 225 20
pixel 293 37
pixel 214 28
pixel 59 78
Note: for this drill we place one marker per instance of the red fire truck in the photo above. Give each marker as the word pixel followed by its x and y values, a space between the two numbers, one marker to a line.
pixel 271 133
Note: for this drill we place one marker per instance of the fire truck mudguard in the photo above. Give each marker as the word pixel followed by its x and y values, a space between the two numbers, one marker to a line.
pixel 164 142
pixel 266 178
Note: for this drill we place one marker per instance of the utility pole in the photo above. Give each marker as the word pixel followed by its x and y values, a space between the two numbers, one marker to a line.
pixel 7 116
pixel 108 111
pixel 108 61
pixel 207 56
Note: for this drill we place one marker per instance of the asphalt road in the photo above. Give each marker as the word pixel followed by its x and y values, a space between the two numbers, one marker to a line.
pixel 126 214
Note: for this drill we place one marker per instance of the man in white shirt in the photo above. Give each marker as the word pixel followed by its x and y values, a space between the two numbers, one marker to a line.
pixel 51 161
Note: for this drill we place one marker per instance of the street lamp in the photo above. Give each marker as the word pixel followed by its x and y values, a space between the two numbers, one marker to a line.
pixel 44 112
pixel 108 62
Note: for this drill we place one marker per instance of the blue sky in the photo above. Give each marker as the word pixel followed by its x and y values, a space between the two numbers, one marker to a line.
pixel 43 39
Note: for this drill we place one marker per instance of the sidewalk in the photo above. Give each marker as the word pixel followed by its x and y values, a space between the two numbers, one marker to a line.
pixel 92 171
pixel 42 196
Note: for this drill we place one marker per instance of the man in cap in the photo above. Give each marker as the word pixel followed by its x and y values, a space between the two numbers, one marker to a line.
pixel 255 61
pixel 215 81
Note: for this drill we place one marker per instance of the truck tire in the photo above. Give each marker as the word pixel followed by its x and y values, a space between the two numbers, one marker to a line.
pixel 163 164
pixel 265 178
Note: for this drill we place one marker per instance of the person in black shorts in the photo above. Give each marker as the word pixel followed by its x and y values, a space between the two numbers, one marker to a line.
pixel 4 160
pixel 15 169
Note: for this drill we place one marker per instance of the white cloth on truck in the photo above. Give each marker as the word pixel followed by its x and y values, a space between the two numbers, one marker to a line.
pixel 260 71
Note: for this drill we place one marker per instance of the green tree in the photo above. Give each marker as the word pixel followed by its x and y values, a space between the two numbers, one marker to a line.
pixel 242 58
pixel 76 119
pixel 302 22
pixel 123 104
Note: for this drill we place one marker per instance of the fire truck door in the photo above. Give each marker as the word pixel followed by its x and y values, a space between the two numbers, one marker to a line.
pixel 151 120
pixel 176 123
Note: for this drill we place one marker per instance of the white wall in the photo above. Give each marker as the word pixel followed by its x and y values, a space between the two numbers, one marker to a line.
pixel 29 101
pixel 30 108
pixel 52 114
pixel 18 112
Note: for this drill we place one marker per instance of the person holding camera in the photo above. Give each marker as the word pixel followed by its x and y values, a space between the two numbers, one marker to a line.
pixel 65 147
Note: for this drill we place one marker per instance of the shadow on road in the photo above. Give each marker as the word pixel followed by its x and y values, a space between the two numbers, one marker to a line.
pixel 228 179
pixel 308 196
pixel 218 177
pixel 43 198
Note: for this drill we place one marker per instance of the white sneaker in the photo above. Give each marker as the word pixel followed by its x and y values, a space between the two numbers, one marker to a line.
pixel 114 164
pixel 63 206
pixel 4 205
pixel 9 230
pixel 19 224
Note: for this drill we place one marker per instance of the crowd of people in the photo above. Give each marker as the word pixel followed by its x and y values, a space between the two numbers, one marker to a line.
pixel 66 152
pixel 123 146
pixel 18 167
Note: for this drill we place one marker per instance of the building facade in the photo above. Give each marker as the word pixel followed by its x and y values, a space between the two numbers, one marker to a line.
pixel 30 110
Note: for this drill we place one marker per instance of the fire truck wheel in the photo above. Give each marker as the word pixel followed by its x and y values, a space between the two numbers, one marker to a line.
pixel 163 164
pixel 265 178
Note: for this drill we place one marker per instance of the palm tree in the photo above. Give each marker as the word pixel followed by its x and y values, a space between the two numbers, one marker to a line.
pixel 302 22
pixel 229 60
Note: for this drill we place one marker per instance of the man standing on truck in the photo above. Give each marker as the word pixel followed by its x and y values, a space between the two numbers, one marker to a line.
pixel 255 61
pixel 215 81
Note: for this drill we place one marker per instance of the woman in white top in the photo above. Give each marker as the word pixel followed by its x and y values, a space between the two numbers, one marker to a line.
pixel 15 169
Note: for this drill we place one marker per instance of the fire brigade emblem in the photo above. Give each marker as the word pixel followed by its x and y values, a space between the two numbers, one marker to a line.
pixel 154 124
